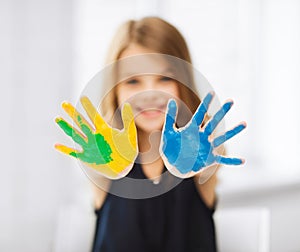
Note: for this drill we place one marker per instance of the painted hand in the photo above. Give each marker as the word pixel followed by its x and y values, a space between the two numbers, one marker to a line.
pixel 187 150
pixel 109 151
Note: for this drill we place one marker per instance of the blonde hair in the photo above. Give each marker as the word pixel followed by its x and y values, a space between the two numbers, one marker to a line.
pixel 159 36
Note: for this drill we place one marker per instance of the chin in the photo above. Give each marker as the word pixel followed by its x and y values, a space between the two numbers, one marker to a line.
pixel 149 125
pixel 149 128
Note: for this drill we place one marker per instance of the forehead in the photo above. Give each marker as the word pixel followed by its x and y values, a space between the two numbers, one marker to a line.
pixel 144 64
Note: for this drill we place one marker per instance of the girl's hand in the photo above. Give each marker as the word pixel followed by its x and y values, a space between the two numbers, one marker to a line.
pixel 109 151
pixel 189 149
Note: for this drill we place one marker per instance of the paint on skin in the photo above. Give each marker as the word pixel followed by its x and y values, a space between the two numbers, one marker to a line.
pixel 171 139
pixel 229 161
pixel 70 131
pixel 202 109
pixel 213 123
pixel 95 151
pixel 189 149
pixel 229 134
pixel 107 150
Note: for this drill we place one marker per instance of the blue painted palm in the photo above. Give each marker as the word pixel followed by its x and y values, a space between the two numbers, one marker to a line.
pixel 188 150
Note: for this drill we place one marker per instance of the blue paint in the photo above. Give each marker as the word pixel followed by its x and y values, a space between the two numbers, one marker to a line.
pixel 213 123
pixel 189 149
pixel 228 161
pixel 171 139
pixel 229 134
pixel 202 109
pixel 171 115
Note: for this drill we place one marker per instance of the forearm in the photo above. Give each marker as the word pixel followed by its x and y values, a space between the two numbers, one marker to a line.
pixel 208 182
pixel 100 188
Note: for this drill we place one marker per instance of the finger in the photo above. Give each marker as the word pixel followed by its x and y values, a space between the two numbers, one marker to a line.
pixel 66 150
pixel 229 161
pixel 171 115
pixel 203 107
pixel 93 114
pixel 127 116
pixel 229 134
pixel 213 123
pixel 78 118
pixel 70 131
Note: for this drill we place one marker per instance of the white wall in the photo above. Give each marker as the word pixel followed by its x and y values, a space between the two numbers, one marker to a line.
pixel 36 76
pixel 282 203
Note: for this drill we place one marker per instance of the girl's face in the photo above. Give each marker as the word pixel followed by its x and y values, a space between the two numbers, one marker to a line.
pixel 147 94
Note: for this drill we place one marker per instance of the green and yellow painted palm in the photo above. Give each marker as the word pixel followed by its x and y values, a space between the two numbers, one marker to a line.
pixel 110 151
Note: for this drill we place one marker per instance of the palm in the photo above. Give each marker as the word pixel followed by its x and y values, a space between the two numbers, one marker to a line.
pixel 109 151
pixel 189 149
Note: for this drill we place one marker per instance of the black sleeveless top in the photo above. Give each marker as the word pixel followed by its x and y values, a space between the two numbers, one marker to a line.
pixel 176 221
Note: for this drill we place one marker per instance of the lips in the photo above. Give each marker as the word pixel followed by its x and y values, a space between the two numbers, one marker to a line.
pixel 160 107
pixel 151 111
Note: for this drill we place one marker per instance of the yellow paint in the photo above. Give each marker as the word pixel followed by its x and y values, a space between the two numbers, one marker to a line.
pixel 123 143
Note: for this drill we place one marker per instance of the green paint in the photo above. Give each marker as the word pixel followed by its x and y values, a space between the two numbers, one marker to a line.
pixel 70 131
pixel 95 150
pixel 86 129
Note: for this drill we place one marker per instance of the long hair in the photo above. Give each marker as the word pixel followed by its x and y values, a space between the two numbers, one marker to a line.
pixel 158 36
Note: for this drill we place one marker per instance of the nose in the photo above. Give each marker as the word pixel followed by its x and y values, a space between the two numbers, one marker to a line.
pixel 150 91
pixel 149 95
pixel 149 83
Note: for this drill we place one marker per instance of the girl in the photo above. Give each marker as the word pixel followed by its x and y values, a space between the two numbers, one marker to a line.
pixel 150 209
pixel 182 218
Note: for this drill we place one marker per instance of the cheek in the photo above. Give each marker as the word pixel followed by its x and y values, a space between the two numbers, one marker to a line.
pixel 172 90
pixel 123 95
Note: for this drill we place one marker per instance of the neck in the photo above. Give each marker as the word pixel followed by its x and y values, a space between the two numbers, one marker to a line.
pixel 149 157
pixel 149 146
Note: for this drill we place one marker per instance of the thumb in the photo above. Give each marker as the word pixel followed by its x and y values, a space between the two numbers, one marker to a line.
pixel 127 116
pixel 171 115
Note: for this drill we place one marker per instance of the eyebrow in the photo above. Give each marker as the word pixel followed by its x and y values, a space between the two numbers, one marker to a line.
pixel 167 72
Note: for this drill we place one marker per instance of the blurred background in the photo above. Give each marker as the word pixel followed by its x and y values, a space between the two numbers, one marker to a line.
pixel 247 49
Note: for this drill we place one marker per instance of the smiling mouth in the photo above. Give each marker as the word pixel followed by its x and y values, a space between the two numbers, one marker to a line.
pixel 151 111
